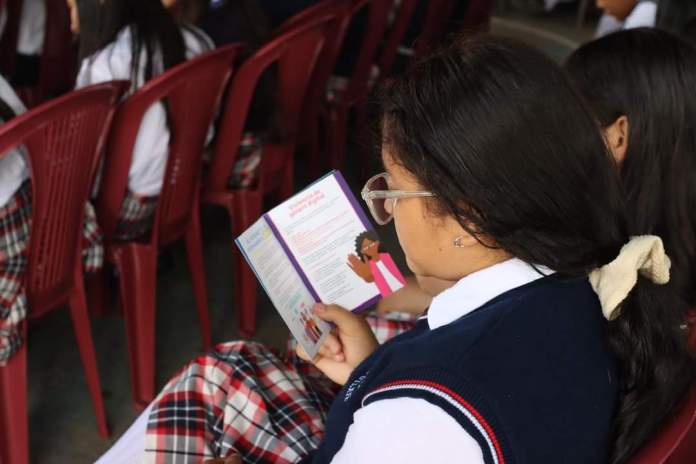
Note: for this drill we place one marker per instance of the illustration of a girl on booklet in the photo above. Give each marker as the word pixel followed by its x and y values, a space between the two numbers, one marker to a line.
pixel 372 266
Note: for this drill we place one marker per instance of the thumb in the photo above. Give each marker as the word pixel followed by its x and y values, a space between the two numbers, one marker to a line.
pixel 344 319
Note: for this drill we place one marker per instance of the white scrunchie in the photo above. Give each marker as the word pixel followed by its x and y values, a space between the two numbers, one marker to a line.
pixel 614 281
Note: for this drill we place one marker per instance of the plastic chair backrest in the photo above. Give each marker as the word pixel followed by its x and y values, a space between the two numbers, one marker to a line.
pixel 395 36
pixel 63 138
pixel 295 52
pixel 439 12
pixel 378 16
pixel 674 444
pixel 59 56
pixel 340 13
pixel 192 91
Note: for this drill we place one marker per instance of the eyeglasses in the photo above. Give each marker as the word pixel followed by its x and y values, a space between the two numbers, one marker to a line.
pixel 381 201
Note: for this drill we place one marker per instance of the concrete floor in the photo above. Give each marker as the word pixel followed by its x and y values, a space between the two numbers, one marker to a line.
pixel 62 425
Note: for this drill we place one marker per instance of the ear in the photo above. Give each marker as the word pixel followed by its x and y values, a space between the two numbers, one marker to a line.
pixel 616 136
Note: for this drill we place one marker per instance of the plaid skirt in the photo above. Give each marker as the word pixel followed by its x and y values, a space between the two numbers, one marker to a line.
pixel 337 85
pixel 245 398
pixel 136 217
pixel 15 225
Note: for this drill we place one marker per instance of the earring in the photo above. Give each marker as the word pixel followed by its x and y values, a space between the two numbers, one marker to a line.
pixel 457 242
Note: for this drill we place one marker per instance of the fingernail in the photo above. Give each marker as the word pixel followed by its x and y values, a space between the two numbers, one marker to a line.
pixel 319 308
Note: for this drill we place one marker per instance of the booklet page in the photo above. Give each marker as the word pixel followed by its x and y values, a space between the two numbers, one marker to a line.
pixel 324 233
pixel 283 285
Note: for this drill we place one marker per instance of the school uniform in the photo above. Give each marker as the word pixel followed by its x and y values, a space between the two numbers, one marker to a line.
pixel 113 62
pixel 15 225
pixel 644 14
pixel 509 365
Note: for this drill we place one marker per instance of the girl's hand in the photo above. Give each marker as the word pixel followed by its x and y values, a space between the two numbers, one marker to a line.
pixel 347 346
pixel 362 269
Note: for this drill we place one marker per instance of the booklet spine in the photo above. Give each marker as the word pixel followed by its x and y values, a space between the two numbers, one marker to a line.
pixel 291 257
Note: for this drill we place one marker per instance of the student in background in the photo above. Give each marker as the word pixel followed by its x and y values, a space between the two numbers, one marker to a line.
pixel 625 14
pixel 135 40
pixel 640 84
pixel 30 41
pixel 553 311
pixel 15 227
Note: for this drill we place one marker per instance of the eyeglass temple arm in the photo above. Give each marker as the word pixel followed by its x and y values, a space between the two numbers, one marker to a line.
pixel 382 194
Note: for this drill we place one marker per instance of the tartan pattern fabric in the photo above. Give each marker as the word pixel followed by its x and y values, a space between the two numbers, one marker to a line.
pixel 245 173
pixel 245 398
pixel 337 85
pixel 136 217
pixel 15 225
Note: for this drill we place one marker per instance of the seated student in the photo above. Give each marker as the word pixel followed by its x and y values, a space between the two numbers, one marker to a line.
pixel 15 227
pixel 136 40
pixel 625 14
pixel 547 315
pixel 640 85
pixel 30 41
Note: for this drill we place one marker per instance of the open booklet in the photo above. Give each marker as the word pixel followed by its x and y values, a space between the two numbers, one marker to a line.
pixel 318 246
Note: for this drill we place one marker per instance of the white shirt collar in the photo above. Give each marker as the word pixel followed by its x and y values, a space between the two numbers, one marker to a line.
pixel 476 289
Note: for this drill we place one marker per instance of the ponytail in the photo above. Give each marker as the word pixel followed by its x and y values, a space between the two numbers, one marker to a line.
pixel 646 334
pixel 655 365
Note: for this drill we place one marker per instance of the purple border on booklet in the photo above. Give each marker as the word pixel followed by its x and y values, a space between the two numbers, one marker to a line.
pixel 351 198
pixel 291 257
pixel 365 221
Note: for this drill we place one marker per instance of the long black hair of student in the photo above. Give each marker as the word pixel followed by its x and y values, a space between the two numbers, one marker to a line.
pixel 6 111
pixel 508 146
pixel 648 76
pixel 156 36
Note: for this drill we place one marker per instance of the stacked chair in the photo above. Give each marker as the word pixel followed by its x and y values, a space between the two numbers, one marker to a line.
pixel 63 139
pixel 192 92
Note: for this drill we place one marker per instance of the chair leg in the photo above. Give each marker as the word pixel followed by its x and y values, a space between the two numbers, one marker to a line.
pixel 98 288
pixel 83 333
pixel 137 267
pixel 247 209
pixel 337 128
pixel 313 148
pixel 196 264
pixel 14 421
pixel 287 185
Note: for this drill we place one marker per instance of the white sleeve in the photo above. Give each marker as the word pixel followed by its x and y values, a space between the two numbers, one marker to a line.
pixel 644 14
pixel 32 27
pixel 108 64
pixel 407 430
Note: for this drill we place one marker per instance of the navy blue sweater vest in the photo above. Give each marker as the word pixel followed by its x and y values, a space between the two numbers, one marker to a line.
pixel 528 375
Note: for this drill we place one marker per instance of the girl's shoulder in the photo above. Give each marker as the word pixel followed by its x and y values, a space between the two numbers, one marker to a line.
pixel 113 61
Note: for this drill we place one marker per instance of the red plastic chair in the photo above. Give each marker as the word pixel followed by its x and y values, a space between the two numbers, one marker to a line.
pixel 64 138
pixel 395 36
pixel 676 443
pixel 192 91
pixel 336 115
pixel 295 54
pixel 58 64
pixel 339 11
pixel 439 12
